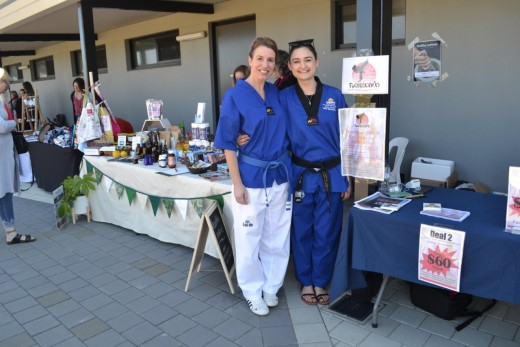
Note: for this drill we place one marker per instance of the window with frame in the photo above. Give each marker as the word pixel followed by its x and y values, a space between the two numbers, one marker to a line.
pixel 160 49
pixel 43 68
pixel 345 23
pixel 15 73
pixel 101 60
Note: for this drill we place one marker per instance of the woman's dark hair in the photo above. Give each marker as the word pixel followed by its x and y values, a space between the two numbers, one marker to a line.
pixel 29 90
pixel 303 43
pixel 282 59
pixel 263 41
pixel 240 68
pixel 80 82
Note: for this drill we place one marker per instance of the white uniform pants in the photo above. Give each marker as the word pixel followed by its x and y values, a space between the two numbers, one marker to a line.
pixel 261 235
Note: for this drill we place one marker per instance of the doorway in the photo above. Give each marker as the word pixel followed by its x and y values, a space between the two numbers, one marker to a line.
pixel 231 40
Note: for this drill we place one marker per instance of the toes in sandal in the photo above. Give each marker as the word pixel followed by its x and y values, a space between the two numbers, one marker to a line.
pixel 21 239
pixel 323 299
pixel 309 298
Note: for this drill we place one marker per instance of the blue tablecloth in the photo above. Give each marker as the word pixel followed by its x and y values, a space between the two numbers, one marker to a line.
pixel 389 244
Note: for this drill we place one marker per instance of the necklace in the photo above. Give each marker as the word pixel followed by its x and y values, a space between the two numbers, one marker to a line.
pixel 309 98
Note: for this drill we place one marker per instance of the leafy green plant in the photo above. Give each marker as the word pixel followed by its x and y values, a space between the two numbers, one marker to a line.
pixel 74 186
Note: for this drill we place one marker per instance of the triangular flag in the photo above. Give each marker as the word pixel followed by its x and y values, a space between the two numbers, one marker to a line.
pixel 154 200
pixel 107 183
pixel 198 206
pixel 142 199
pixel 168 205
pixel 99 175
pixel 119 189
pixel 130 193
pixel 183 207
pixel 90 167
pixel 219 199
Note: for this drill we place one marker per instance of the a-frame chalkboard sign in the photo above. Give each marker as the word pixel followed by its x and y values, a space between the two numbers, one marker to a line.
pixel 213 222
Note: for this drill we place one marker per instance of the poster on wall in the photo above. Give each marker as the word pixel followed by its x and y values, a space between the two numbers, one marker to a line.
pixel 513 201
pixel 440 256
pixel 365 75
pixel 427 61
pixel 362 142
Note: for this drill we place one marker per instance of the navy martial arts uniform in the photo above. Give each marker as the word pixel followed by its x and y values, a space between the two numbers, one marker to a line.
pixel 262 227
pixel 313 130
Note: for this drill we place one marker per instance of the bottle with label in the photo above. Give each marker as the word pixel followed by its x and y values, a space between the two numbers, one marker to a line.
pixel 383 187
pixel 181 127
pixel 172 161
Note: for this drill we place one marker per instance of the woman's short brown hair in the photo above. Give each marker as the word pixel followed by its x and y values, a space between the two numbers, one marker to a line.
pixel 263 41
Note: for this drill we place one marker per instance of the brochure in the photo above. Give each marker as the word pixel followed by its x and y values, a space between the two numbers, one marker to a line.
pixel 448 213
pixel 381 203
pixel 513 201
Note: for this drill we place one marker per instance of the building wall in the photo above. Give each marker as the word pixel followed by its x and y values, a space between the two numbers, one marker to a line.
pixel 468 118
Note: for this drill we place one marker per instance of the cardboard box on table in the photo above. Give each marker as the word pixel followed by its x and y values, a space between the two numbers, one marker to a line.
pixel 435 172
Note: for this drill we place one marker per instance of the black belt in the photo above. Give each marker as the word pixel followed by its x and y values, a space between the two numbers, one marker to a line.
pixel 316 167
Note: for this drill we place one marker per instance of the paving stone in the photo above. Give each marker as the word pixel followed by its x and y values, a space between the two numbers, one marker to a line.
pixel 53 298
pixel 89 329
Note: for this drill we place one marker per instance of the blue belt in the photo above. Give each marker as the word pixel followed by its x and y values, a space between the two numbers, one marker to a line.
pixel 267 165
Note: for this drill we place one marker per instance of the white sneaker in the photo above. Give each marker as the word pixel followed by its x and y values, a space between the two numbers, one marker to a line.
pixel 271 300
pixel 258 306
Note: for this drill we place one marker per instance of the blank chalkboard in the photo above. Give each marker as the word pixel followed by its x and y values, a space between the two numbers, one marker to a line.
pixel 213 222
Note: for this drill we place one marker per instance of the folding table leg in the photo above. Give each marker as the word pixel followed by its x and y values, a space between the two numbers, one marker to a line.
pixel 378 300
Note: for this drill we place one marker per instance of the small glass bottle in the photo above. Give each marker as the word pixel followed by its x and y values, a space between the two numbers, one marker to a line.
pixel 172 161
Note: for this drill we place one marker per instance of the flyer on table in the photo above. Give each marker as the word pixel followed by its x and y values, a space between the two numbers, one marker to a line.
pixel 362 142
pixel 440 256
pixel 513 201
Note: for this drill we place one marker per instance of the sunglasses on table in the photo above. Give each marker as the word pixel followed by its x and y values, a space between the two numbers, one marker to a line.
pixel 301 43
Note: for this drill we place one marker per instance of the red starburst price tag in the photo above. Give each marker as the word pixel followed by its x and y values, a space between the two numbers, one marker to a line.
pixel 440 256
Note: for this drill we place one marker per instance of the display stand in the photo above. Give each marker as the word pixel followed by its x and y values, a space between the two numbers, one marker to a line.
pixel 32 112
pixel 213 222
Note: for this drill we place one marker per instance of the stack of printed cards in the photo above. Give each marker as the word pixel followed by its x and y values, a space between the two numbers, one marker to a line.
pixel 432 206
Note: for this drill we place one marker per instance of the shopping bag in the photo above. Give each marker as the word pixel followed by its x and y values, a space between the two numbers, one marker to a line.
pixel 106 123
pixel 89 125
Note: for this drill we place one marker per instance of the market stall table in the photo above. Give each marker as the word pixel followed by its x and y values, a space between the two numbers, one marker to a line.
pixel 51 164
pixel 389 244
pixel 149 186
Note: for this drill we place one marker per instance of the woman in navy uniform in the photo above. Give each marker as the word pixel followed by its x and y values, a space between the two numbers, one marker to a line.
pixel 313 130
pixel 260 176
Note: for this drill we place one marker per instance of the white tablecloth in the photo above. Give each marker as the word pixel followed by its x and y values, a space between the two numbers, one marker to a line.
pixel 139 217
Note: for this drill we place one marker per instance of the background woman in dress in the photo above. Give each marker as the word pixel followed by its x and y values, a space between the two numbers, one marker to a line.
pixel 10 167
pixel 261 210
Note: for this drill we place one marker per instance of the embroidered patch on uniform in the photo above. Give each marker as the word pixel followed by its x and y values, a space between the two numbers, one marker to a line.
pixel 313 121
pixel 330 105
pixel 269 110
pixel 247 223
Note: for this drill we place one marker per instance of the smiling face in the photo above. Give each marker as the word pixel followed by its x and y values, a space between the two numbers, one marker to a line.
pixel 303 63
pixel 77 88
pixel 262 63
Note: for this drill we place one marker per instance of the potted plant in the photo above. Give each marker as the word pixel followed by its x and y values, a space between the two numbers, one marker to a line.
pixel 75 192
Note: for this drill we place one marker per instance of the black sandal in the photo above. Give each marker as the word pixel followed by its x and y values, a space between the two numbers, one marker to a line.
pixel 308 295
pixel 18 239
pixel 321 298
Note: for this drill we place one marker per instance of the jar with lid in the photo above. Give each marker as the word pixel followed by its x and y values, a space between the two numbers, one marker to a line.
pixel 162 160
pixel 172 161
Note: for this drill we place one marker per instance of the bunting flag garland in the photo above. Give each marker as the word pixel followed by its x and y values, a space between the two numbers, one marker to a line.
pixel 130 193
pixel 155 201
pixel 119 189
pixel 168 205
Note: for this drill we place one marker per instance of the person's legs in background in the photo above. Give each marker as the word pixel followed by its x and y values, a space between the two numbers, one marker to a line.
pixel 7 216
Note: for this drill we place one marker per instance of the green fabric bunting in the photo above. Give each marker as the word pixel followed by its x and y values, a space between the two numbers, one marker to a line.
pixel 168 204
pixel 99 175
pixel 130 193
pixel 198 206
pixel 219 199
pixel 119 189
pixel 90 167
pixel 154 200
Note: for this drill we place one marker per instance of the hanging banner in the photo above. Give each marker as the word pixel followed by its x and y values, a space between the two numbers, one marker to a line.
pixel 440 256
pixel 365 75
pixel 362 142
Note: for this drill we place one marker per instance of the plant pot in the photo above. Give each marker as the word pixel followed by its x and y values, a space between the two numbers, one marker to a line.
pixel 81 205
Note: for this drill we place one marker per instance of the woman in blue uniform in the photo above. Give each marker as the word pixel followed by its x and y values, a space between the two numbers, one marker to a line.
pixel 260 177
pixel 313 130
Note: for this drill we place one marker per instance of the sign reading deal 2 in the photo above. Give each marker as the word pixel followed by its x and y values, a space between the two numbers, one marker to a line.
pixel 365 75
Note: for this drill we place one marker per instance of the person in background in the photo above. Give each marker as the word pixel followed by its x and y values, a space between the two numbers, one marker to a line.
pixel 260 176
pixel 28 89
pixel 319 187
pixel 10 168
pixel 240 73
pixel 283 75
pixel 15 104
pixel 76 97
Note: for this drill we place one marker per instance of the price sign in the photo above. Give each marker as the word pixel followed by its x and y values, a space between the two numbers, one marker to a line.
pixel 440 256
